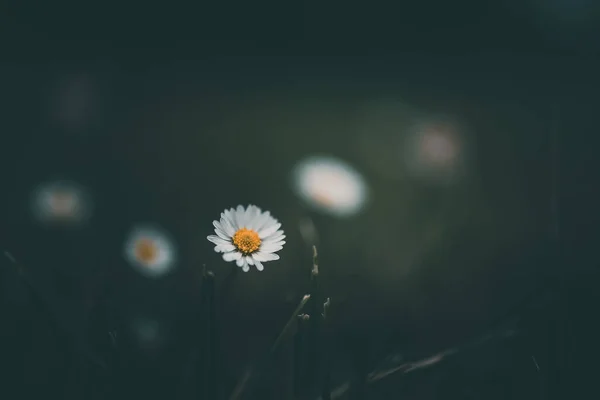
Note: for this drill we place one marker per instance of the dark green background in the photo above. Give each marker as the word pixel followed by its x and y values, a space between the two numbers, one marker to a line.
pixel 201 109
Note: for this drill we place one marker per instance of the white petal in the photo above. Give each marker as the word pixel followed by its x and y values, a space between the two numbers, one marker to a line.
pixel 233 256
pixel 226 224
pixel 263 220
pixel 254 215
pixel 239 217
pixel 245 268
pixel 279 243
pixel 219 230
pixel 276 236
pixel 230 215
pixel 217 240
pixel 240 261
pixel 261 256
pixel 257 211
pixel 248 213
pixel 249 260
pixel 268 230
pixel 270 248
pixel 258 256
pixel 224 248
pixel 258 265
pixel 272 241
pixel 249 217
pixel 217 225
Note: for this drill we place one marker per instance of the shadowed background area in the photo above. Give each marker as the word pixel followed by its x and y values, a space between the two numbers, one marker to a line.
pixel 467 129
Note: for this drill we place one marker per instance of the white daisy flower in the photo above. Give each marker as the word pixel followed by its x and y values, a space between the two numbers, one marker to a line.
pixel 61 202
pixel 330 185
pixel 150 251
pixel 248 237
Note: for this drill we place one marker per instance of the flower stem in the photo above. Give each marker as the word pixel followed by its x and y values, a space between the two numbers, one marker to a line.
pixel 210 340
pixel 255 369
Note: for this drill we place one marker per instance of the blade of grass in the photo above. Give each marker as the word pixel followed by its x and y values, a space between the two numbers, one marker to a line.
pixel 59 324
pixel 255 369
pixel 210 351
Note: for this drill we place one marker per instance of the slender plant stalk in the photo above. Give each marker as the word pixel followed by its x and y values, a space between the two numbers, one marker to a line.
pixel 312 342
pixel 326 352
pixel 300 342
pixel 210 341
pixel 252 370
pixel 313 367
pixel 58 324
pixel 293 357
pixel 377 375
pixel 358 385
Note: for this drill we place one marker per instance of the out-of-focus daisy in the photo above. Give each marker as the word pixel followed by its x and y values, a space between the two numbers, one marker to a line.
pixel 330 185
pixel 247 236
pixel 150 251
pixel 437 146
pixel 435 151
pixel 61 202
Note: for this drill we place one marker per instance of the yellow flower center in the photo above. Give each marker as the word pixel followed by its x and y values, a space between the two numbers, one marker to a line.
pixel 146 251
pixel 246 240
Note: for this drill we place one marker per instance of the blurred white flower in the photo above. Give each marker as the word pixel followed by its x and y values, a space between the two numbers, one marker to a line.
pixel 437 147
pixel 435 151
pixel 330 185
pixel 150 251
pixel 61 202
pixel 248 237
